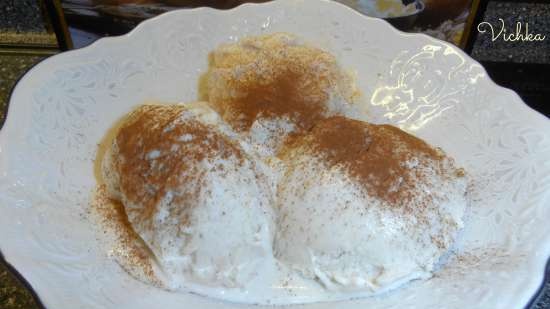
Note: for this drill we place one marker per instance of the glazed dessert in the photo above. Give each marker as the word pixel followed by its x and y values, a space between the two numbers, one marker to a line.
pixel 270 193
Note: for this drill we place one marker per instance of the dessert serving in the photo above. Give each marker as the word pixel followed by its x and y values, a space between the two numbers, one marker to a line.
pixel 365 206
pixel 274 188
pixel 190 191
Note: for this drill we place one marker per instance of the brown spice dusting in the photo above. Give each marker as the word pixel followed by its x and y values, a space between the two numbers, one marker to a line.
pixel 375 155
pixel 157 152
pixel 281 97
pixel 271 77
pixel 135 256
pixel 439 242
pixel 157 148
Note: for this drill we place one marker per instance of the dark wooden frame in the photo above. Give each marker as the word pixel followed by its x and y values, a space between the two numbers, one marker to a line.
pixel 470 29
pixel 57 18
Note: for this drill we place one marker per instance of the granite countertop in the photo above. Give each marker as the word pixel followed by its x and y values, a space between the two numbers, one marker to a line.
pixel 536 15
pixel 13 294
pixel 22 23
pixel 12 67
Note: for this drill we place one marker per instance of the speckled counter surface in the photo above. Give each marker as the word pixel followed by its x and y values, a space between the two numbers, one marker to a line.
pixel 21 22
pixel 13 295
pixel 536 15
pixel 12 68
pixel 543 298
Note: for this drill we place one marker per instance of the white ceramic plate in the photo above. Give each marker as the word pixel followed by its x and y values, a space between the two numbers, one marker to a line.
pixel 62 108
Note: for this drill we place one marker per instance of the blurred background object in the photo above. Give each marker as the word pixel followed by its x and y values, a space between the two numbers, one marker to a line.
pixel 89 20
pixel 439 11
pixel 407 22
pixel 401 14
pixel 443 19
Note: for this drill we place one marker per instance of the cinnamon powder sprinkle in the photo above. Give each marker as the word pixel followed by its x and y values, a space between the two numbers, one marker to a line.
pixel 375 155
pixel 133 254
pixel 272 76
pixel 157 150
